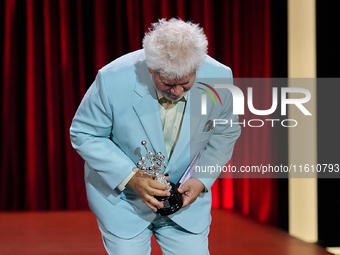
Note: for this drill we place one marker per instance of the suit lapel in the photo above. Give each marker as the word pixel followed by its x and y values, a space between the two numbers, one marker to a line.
pixel 147 111
pixel 148 114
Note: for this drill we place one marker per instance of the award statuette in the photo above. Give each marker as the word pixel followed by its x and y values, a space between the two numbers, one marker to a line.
pixel 173 202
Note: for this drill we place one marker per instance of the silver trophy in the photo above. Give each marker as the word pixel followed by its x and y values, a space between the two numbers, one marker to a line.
pixel 155 164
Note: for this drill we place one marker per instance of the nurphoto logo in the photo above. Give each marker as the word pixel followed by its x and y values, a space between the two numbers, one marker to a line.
pixel 239 104
pixel 204 97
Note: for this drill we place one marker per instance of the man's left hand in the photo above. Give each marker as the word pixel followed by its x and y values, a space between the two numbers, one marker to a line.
pixel 190 190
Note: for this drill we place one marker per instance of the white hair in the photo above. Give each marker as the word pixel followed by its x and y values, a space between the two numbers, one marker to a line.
pixel 175 48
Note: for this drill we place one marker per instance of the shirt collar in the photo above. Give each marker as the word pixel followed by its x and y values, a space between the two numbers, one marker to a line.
pixel 160 96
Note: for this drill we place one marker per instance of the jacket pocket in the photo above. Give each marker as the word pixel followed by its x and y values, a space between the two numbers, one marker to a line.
pixel 92 177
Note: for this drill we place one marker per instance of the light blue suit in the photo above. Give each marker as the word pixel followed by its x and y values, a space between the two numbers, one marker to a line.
pixel 120 110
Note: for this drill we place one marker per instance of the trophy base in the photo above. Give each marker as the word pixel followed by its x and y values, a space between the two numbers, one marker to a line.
pixel 172 203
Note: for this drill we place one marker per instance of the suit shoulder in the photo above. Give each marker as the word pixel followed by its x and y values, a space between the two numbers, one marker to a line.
pixel 122 72
pixel 211 68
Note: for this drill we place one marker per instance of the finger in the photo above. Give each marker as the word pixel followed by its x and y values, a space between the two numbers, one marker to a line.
pixel 153 203
pixel 153 208
pixel 166 176
pixel 158 185
pixel 182 189
pixel 186 201
pixel 159 193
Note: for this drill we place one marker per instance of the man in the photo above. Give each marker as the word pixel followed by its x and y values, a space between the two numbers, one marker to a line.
pixel 125 106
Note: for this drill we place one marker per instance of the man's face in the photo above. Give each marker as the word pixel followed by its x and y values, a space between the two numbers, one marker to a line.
pixel 173 89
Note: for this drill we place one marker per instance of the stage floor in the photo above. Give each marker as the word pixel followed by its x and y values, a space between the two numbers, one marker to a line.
pixel 51 233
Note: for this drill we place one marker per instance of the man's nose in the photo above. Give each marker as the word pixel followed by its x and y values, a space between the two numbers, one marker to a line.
pixel 177 90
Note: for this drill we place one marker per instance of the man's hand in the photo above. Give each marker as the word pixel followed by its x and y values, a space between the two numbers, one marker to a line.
pixel 146 188
pixel 190 190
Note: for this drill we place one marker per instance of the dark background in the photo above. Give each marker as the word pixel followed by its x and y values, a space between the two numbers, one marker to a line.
pixel 328 63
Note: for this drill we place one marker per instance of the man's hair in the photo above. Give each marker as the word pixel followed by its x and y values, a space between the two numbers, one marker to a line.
pixel 175 48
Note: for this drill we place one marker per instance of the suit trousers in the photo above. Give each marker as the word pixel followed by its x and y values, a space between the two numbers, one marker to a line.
pixel 173 239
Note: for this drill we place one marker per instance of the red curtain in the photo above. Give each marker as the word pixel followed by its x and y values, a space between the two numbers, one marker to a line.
pixel 51 51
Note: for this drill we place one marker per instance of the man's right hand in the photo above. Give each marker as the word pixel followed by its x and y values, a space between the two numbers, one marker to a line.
pixel 146 188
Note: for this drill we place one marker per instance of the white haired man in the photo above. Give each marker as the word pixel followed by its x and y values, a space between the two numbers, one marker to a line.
pixel 124 106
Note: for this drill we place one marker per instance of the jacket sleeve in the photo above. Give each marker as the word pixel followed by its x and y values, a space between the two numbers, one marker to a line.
pixel 90 135
pixel 220 146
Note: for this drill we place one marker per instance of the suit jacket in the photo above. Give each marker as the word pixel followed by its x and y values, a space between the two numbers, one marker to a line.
pixel 118 111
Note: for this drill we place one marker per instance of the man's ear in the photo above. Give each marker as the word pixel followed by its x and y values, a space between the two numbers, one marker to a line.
pixel 150 70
